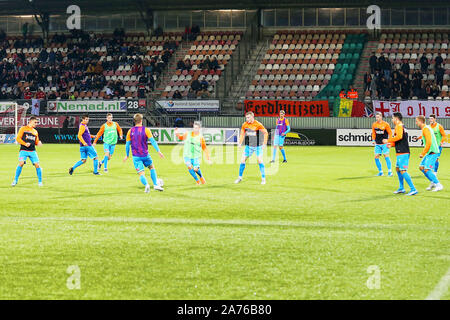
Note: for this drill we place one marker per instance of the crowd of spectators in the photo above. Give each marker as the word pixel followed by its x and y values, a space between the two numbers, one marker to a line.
pixel 190 33
pixel 80 69
pixel 199 88
pixel 387 81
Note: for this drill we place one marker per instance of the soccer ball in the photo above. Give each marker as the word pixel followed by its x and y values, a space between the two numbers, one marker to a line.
pixel 160 182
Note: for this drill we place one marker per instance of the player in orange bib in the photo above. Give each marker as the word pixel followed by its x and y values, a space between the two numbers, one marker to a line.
pixel 255 137
pixel 381 130
pixel 28 139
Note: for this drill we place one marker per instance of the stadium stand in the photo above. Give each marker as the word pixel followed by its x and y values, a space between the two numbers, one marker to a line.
pixel 304 65
pixel 411 64
pixel 202 65
pixel 84 65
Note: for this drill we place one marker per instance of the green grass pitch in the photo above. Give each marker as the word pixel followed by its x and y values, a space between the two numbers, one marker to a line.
pixel 312 232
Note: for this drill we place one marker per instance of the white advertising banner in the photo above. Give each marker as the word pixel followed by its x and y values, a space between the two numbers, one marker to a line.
pixel 413 108
pixel 189 105
pixel 211 135
pixel 363 137
pixel 88 106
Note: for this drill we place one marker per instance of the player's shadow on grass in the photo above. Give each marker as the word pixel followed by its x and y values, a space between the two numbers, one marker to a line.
pixel 356 178
pixel 378 197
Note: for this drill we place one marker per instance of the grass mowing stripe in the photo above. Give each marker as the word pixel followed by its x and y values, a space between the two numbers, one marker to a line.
pixel 228 222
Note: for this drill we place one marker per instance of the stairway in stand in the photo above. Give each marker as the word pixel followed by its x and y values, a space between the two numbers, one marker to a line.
pixel 244 78
pixel 167 74
pixel 371 47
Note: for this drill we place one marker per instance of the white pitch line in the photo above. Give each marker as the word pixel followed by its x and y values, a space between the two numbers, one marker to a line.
pixel 441 288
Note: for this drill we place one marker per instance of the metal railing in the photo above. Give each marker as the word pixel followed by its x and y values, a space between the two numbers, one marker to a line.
pixel 248 76
pixel 237 60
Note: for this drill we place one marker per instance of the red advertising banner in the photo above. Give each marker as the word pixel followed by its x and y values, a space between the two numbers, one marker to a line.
pixel 43 121
pixel 271 108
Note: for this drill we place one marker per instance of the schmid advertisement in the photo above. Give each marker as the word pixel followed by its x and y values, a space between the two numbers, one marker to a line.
pixel 211 135
pixel 81 106
pixel 363 137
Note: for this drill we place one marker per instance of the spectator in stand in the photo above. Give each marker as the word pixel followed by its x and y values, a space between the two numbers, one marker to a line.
pixel 405 67
pixel 435 90
pixel 438 61
pixel 203 94
pixel 40 95
pixel 396 89
pixel 373 62
pixel 214 64
pixel 191 94
pixel 98 68
pixel 204 84
pixel 181 65
pixel 27 94
pixel 195 85
pixel 406 89
pixel 428 90
pixel 416 86
pixel 422 91
pixel 424 64
pixel 195 30
pixel 109 91
pixel 64 95
pixel 206 63
pixel 177 95
pixel 352 93
pixel 187 33
pixel 373 88
pixel 25 30
pixel 367 81
pixel 158 32
pixel 187 64
pixel 439 75
pixel 90 69
pixel 387 67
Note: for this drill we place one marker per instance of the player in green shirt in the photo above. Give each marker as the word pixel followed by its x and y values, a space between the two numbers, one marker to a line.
pixel 111 132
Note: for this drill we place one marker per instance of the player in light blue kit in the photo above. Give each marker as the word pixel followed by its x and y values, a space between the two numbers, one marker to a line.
pixel 282 129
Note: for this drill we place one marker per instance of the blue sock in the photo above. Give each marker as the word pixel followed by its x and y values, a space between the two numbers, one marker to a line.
pixel 436 166
pixel 154 177
pixel 262 169
pixel 143 180
pixel 105 162
pixel 431 176
pixel 241 169
pixel 192 172
pixel 388 163
pixel 408 180
pixel 76 165
pixel 95 166
pixel 274 154
pixel 199 172
pixel 378 163
pixel 39 174
pixel 18 172
pixel 283 153
pixel 400 180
